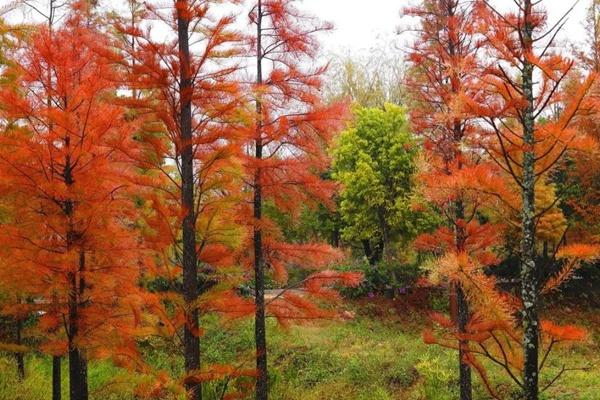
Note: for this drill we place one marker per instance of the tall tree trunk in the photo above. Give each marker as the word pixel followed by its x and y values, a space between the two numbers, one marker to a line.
pixel 462 319
pixel 377 251
pixel 462 311
pixel 77 364
pixel 56 377
pixel 190 262
pixel 56 360
pixel 260 333
pixel 462 305
pixel 78 380
pixel 20 358
pixel 529 276
pixel 78 383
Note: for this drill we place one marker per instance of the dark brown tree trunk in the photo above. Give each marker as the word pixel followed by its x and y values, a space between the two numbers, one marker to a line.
pixel 77 364
pixel 374 253
pixel 190 262
pixel 56 377
pixel 56 360
pixel 368 250
pixel 386 241
pixel 462 319
pixel 19 355
pixel 335 237
pixel 78 380
pixel 462 306
pixel 529 275
pixel 260 332
pixel 78 385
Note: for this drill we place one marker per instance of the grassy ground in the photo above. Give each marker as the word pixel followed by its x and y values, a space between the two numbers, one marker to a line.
pixel 378 356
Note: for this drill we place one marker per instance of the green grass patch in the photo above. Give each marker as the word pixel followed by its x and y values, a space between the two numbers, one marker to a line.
pixel 369 358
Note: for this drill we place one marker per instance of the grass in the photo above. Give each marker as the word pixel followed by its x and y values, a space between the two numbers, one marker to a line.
pixel 369 358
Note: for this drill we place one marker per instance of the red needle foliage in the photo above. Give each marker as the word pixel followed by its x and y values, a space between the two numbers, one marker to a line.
pixel 183 90
pixel 499 342
pixel 587 166
pixel 526 151
pixel 467 185
pixel 68 233
pixel 287 142
pixel 444 72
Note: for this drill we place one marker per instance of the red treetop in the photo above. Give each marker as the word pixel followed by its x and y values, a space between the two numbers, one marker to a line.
pixel 288 139
pixel 69 232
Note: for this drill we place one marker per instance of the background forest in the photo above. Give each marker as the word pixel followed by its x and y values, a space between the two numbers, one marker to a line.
pixel 198 202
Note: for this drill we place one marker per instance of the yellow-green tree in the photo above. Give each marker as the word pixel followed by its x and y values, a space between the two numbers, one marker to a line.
pixel 375 161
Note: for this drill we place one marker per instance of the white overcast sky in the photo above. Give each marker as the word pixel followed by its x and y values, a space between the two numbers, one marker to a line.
pixel 360 24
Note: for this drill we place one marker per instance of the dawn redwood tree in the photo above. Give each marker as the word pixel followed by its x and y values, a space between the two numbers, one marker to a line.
pixel 14 315
pixel 50 12
pixel 589 56
pixel 183 91
pixel 584 179
pixel 11 294
pixel 286 150
pixel 523 78
pixel 444 61
pixel 68 233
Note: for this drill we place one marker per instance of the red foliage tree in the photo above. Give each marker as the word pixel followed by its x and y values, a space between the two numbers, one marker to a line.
pixel 444 62
pixel 184 92
pixel 463 181
pixel 522 81
pixel 493 334
pixel 584 177
pixel 68 235
pixel 287 143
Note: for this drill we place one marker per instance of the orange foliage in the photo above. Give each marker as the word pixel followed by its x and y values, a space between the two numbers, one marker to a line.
pixel 189 181
pixel 474 170
pixel 293 128
pixel 69 241
pixel 559 333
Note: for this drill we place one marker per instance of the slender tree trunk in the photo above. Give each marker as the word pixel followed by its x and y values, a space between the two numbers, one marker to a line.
pixel 377 251
pixel 260 332
pixel 190 262
pixel 19 355
pixel 462 305
pixel 368 251
pixel 373 253
pixel 385 236
pixel 56 360
pixel 462 309
pixel 462 319
pixel 78 383
pixel 335 237
pixel 78 380
pixel 529 276
pixel 56 377
pixel 77 364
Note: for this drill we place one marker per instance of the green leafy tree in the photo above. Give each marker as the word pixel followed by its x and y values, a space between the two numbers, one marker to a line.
pixel 375 161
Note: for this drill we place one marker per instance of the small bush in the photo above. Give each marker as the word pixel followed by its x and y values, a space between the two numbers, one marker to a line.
pixel 386 278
